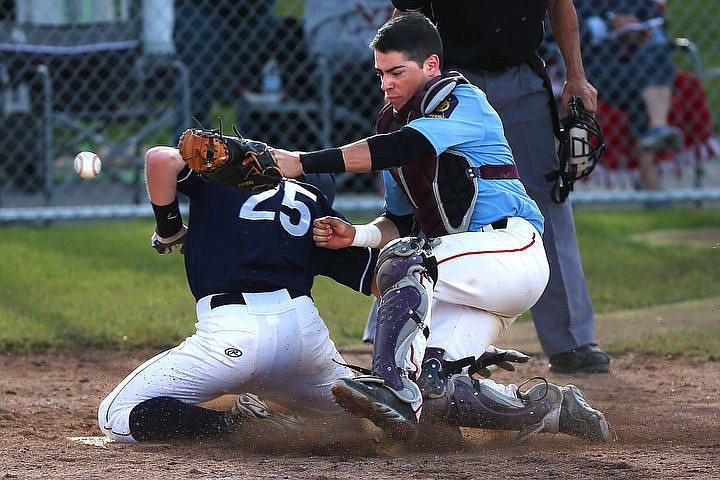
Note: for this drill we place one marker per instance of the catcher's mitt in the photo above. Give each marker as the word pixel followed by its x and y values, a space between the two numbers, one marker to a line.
pixel 231 161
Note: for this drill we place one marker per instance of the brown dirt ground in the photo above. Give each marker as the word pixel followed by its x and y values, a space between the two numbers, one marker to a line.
pixel 664 411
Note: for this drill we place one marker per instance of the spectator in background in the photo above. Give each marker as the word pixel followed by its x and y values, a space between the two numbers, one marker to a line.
pixel 198 36
pixel 628 57
pixel 291 50
pixel 341 31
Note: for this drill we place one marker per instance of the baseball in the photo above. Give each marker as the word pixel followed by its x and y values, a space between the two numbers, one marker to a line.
pixel 87 164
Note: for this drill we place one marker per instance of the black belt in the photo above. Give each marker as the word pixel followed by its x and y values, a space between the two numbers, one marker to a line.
pixel 227 299
pixel 236 298
pixel 502 223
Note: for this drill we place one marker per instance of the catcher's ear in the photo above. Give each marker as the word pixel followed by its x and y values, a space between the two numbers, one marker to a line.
pixel 323 181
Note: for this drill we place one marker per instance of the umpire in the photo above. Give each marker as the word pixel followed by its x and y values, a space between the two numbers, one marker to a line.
pixel 494 45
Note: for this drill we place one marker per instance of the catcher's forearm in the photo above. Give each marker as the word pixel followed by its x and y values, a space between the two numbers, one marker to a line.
pixel 330 160
pixel 388 230
pixel 354 158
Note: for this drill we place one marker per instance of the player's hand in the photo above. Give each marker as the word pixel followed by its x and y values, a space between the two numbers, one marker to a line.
pixel 499 357
pixel 333 232
pixel 165 246
pixel 287 161
pixel 622 20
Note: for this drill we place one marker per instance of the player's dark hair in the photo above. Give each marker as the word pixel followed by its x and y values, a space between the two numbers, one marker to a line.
pixel 412 34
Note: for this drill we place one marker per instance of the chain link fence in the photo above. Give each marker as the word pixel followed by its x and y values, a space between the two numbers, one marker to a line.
pixel 658 99
pixel 118 76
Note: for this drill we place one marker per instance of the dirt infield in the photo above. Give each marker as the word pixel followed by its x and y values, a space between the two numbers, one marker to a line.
pixel 665 414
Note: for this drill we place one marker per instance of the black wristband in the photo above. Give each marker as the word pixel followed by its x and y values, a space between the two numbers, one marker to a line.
pixel 329 160
pixel 168 219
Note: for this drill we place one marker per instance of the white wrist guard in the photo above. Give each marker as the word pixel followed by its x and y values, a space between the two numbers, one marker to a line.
pixel 366 236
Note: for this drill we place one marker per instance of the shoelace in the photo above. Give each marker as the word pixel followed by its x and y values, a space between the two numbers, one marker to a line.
pixel 524 397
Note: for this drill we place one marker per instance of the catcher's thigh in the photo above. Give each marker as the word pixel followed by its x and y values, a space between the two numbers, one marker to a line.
pixel 485 281
pixel 463 331
pixel 501 271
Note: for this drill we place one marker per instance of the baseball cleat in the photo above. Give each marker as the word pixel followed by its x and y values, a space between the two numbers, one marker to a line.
pixel 376 402
pixel 550 422
pixel 251 408
pixel 580 419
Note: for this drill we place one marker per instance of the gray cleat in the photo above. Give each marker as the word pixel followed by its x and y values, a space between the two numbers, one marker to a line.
pixel 578 418
pixel 550 393
pixel 374 400
pixel 251 408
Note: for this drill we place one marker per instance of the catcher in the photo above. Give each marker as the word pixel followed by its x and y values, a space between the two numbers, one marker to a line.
pixel 478 263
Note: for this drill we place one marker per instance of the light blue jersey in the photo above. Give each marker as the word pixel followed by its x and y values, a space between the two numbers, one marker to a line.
pixel 465 126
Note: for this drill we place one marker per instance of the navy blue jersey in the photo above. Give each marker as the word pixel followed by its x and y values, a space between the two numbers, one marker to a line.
pixel 239 241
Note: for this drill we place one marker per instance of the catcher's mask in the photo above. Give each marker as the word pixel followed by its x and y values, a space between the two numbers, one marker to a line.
pixel 581 145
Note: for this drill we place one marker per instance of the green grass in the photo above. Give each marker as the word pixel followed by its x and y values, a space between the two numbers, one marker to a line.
pixel 626 272
pixel 700 341
pixel 89 285
pixel 100 285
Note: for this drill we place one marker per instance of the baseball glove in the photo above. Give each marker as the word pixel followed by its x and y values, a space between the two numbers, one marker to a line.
pixel 231 161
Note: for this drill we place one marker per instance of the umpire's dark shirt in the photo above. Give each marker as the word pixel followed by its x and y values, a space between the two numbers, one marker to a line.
pixel 485 34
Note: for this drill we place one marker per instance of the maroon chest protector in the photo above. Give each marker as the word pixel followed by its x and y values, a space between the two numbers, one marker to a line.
pixel 441 189
pixel 438 211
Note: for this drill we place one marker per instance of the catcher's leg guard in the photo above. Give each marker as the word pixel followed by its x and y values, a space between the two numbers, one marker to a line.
pixel 432 380
pixel 470 403
pixel 406 272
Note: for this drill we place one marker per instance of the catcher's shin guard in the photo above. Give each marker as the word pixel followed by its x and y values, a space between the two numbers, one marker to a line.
pixel 468 402
pixel 433 379
pixel 406 272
